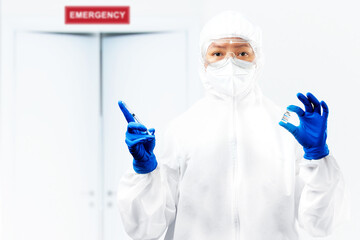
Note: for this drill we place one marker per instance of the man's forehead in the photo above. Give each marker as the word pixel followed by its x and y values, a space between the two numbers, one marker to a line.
pixel 230 39
pixel 226 44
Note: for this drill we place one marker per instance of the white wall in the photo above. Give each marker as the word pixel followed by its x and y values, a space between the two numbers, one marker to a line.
pixel 309 46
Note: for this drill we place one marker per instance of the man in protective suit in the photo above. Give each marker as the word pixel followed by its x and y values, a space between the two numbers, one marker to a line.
pixel 227 170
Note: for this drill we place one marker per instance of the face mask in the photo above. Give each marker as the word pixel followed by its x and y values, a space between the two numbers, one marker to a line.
pixel 230 76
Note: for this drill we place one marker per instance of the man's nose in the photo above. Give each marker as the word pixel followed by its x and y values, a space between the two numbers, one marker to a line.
pixel 230 54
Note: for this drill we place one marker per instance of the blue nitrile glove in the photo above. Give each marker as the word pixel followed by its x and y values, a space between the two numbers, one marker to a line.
pixel 140 144
pixel 312 131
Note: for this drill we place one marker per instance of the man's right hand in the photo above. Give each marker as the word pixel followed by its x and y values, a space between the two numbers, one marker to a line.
pixel 140 141
pixel 141 146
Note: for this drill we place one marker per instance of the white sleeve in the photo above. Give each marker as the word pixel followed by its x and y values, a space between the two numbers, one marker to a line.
pixel 147 202
pixel 322 197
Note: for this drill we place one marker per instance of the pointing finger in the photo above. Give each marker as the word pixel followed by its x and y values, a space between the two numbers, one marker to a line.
pixel 128 116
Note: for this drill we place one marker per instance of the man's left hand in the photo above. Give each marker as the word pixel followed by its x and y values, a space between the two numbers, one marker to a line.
pixel 312 131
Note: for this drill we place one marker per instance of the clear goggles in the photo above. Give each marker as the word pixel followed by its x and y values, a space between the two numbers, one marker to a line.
pixel 220 50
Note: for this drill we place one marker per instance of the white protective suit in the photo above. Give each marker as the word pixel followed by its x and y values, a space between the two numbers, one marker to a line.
pixel 227 170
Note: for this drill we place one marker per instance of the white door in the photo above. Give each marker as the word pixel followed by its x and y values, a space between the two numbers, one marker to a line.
pixel 57 120
pixel 69 132
pixel 148 72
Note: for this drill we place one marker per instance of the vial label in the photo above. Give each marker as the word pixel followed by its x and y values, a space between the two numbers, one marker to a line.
pixel 286 117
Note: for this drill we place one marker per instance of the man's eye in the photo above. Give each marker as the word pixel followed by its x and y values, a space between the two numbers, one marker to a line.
pixel 243 54
pixel 217 54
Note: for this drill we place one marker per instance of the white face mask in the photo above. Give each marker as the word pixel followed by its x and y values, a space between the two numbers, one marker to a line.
pixel 230 76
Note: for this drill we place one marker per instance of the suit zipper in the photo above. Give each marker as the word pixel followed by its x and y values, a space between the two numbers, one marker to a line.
pixel 236 172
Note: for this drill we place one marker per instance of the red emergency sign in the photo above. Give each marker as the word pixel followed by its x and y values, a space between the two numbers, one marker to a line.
pixel 97 15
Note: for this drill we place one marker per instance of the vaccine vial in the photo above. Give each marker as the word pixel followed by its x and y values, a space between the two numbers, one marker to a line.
pixel 286 117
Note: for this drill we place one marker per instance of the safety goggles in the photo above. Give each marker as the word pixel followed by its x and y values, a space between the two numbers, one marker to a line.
pixel 224 48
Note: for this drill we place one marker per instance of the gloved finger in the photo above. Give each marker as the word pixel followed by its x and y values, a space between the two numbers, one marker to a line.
pixel 314 101
pixel 134 136
pixel 325 109
pixel 128 116
pixel 134 127
pixel 151 130
pixel 290 127
pixel 137 135
pixel 132 143
pixel 306 102
pixel 296 109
